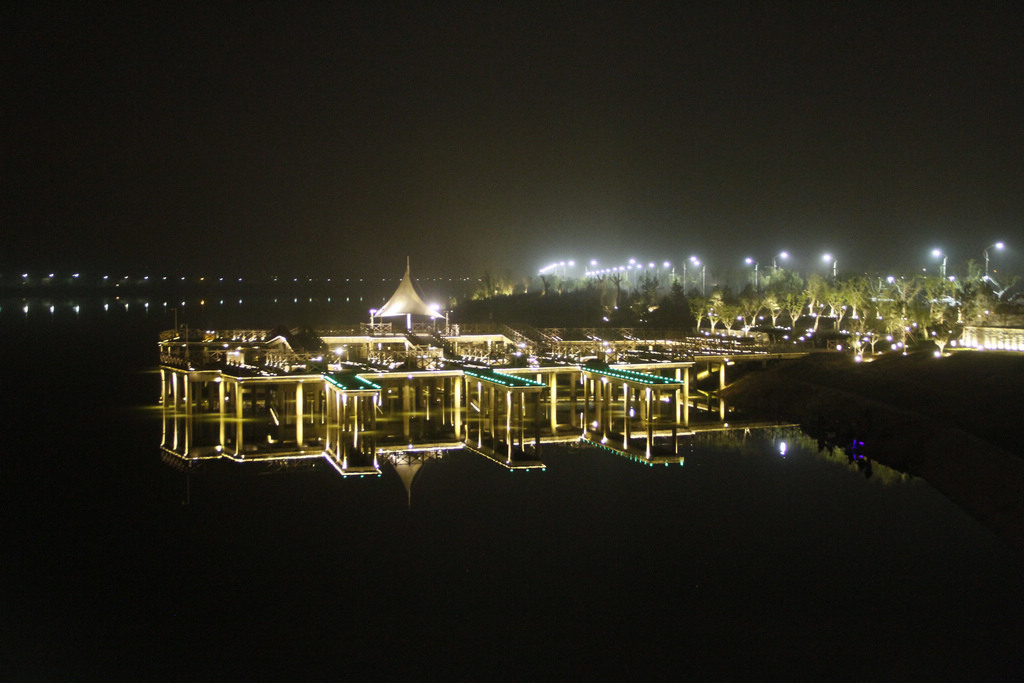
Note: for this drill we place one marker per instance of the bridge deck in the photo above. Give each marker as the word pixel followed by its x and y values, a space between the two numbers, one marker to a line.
pixel 507 381
pixel 350 381
pixel 633 377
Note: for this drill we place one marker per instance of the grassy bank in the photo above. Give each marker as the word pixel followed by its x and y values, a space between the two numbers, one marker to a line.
pixel 955 421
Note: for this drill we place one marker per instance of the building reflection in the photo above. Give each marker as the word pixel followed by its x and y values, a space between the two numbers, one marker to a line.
pixel 353 422
pixel 359 427
pixel 364 401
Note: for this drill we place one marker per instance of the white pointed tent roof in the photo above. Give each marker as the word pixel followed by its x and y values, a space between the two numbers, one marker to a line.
pixel 405 300
pixel 407 471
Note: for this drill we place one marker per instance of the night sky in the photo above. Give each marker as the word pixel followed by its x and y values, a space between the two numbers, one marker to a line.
pixel 263 137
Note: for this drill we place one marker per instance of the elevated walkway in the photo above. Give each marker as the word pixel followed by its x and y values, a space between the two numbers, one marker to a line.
pixel 637 450
pixel 503 380
pixel 507 455
pixel 632 378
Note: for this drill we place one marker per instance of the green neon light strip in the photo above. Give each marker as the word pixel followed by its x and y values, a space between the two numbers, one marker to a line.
pixel 504 380
pixel 638 376
pixel 367 384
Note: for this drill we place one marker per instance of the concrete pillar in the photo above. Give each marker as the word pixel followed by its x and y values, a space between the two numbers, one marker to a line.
pixel 536 421
pixel 358 419
pixel 431 395
pixel 372 406
pixel 721 385
pixel 164 413
pixel 328 415
pixel 457 405
pixel 553 400
pixel 406 407
pixel 174 420
pixel 480 413
pixel 648 396
pixel 606 406
pixel 345 418
pixel 299 414
pixel 338 429
pixel 686 397
pixel 676 397
pixel 491 412
pixel 625 413
pixel 340 415
pixel 339 419
pixel 221 391
pixel 187 430
pixel 572 400
pixel 239 434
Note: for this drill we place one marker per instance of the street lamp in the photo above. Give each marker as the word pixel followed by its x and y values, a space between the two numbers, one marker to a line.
pixel 997 245
pixel 436 312
pixel 703 271
pixel 750 261
pixel 782 255
pixel 693 261
pixel 671 271
pixel 942 270
pixel 835 263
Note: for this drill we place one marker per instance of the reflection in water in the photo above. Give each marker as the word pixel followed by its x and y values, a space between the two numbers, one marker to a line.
pixel 359 423
pixel 408 464
pixel 196 305
pixel 856 458
pixel 191 440
pixel 358 428
pixel 353 420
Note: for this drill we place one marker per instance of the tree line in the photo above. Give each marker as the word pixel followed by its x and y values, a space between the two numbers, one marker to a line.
pixel 873 313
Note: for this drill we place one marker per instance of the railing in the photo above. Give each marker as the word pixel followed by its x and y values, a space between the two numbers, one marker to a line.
pixel 446 346
pixel 376 329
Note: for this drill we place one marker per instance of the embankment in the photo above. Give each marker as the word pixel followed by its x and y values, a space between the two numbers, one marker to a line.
pixel 955 422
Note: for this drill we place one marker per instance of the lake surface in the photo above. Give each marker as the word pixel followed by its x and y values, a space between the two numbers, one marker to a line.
pixel 741 562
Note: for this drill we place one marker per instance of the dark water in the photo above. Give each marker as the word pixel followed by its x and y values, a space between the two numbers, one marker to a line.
pixel 739 563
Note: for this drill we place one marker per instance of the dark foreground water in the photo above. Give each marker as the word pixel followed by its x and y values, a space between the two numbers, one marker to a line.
pixel 741 563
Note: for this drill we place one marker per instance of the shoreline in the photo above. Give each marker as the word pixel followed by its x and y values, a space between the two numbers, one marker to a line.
pixel 978 475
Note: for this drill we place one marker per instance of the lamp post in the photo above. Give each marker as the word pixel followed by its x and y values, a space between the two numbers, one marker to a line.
pixel 835 264
pixel 750 261
pixel 696 261
pixel 691 259
pixel 997 245
pixel 782 255
pixel 438 313
pixel 942 269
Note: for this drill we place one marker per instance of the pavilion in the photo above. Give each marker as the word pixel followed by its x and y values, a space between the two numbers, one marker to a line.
pixel 405 301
